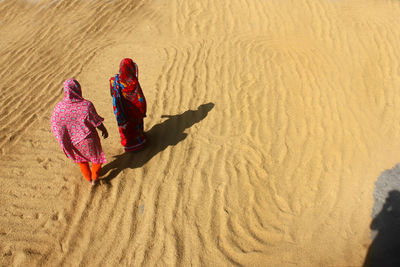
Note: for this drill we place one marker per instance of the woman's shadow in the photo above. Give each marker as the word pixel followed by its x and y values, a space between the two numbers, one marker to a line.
pixel 385 249
pixel 162 135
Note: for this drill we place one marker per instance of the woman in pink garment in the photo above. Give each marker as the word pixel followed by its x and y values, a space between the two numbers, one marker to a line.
pixel 74 122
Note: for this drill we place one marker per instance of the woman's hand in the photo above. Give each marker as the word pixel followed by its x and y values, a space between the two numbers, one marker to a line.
pixel 104 134
pixel 103 130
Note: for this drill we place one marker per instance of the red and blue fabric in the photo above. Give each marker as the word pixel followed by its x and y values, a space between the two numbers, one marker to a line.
pixel 129 105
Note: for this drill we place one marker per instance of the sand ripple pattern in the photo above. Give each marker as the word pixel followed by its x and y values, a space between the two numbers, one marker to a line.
pixel 44 53
pixel 268 123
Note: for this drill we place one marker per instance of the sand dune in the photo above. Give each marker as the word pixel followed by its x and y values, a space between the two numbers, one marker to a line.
pixel 268 121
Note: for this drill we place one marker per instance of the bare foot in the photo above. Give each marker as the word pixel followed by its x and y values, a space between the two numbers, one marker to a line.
pixel 93 182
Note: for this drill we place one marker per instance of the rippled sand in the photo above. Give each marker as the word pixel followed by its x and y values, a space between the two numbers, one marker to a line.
pixel 268 121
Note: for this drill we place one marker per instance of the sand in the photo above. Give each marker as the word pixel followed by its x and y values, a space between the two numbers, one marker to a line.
pixel 269 123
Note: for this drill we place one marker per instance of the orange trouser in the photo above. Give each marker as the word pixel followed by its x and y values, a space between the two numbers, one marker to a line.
pixel 90 174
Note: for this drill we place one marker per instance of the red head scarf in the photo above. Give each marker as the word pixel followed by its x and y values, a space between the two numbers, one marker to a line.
pixel 128 71
pixel 131 91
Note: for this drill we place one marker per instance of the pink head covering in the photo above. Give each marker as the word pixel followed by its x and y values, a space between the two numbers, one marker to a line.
pixel 72 91
pixel 74 118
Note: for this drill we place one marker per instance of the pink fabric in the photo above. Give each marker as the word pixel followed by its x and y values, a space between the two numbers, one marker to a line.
pixel 74 123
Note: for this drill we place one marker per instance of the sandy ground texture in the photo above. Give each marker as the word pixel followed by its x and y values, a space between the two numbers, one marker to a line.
pixel 269 123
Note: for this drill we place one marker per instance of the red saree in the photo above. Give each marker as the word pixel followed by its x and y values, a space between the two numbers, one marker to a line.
pixel 129 105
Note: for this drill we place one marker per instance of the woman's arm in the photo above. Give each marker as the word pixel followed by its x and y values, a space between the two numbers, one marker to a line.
pixel 103 130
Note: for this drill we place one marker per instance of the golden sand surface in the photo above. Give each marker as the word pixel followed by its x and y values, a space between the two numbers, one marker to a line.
pixel 269 122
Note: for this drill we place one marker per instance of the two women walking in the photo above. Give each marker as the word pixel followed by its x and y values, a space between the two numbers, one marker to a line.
pixel 74 120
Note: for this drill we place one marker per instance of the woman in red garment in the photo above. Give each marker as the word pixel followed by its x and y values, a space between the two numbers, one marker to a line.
pixel 129 105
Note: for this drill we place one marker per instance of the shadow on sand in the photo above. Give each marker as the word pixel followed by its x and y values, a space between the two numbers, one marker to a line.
pixel 385 249
pixel 162 135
